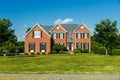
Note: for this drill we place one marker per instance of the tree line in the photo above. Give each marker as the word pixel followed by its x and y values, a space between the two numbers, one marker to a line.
pixel 106 37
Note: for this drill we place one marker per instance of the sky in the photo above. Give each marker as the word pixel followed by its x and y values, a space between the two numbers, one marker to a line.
pixel 26 13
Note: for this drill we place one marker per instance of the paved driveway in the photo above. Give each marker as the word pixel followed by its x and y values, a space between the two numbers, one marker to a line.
pixel 59 77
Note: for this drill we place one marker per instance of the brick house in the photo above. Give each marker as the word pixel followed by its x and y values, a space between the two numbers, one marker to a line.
pixel 41 38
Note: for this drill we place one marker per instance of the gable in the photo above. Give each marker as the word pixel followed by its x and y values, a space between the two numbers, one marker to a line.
pixel 82 28
pixel 36 27
pixel 57 28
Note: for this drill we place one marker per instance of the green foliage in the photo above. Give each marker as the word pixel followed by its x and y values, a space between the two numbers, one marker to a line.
pixel 6 34
pixel 85 51
pixel 25 53
pixel 1 51
pixel 56 48
pixel 102 50
pixel 95 48
pixel 79 50
pixel 38 53
pixel 10 54
pixel 32 53
pixel 106 33
pixel 28 29
pixel 116 52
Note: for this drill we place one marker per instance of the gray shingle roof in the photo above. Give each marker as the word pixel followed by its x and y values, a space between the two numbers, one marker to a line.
pixel 69 27
pixel 47 28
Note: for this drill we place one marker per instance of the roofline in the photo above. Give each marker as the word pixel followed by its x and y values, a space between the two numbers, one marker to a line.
pixel 32 29
pixel 80 26
pixel 58 25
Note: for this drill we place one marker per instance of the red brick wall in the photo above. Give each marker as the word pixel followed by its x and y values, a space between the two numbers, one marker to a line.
pixel 45 38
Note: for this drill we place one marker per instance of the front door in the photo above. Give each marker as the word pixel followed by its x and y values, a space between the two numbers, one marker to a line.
pixel 70 46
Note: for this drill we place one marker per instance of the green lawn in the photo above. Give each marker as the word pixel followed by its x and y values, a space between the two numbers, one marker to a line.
pixel 61 64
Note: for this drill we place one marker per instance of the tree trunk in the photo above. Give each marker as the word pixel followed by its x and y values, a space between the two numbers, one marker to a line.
pixel 106 52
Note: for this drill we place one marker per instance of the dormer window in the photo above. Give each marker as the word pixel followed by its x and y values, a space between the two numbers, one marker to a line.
pixel 37 34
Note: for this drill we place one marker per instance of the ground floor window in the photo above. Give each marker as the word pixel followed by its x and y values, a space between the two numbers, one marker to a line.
pixel 32 47
pixel 85 45
pixel 79 45
pixel 61 43
pixel 43 47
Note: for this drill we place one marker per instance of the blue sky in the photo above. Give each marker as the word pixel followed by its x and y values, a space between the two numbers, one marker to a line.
pixel 25 13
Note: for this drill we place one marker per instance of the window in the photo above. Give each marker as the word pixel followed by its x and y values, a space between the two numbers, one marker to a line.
pixel 86 35
pixel 79 45
pixel 61 35
pixel 61 43
pixel 31 47
pixel 69 37
pixel 79 35
pixel 85 45
pixel 54 35
pixel 37 34
pixel 42 47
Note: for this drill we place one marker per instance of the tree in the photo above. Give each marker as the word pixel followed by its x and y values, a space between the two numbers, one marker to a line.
pixel 106 34
pixel 28 29
pixel 6 34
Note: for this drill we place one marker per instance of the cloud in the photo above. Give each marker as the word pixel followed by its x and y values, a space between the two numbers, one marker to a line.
pixel 25 26
pixel 65 21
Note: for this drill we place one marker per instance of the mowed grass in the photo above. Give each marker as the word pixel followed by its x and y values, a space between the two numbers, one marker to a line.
pixel 61 64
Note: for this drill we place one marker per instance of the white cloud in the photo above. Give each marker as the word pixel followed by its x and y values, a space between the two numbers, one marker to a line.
pixel 25 26
pixel 65 21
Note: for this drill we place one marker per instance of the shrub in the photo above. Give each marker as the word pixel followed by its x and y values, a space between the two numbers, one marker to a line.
pixel 1 51
pixel 116 52
pixel 56 48
pixel 85 51
pixel 101 50
pixel 43 53
pixel 25 53
pixel 32 53
pixel 38 53
pixel 10 54
pixel 95 49
pixel 77 50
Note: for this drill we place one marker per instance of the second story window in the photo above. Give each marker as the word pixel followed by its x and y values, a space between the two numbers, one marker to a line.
pixel 78 35
pixel 37 34
pixel 54 35
pixel 69 37
pixel 61 35
pixel 86 35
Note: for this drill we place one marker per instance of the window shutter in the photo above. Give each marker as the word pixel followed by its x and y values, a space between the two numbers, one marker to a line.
pixel 87 35
pixel 33 34
pixel 40 34
pixel 29 47
pixel 76 35
pixel 34 46
pixel 40 47
pixel 81 35
pixel 63 35
pixel 45 47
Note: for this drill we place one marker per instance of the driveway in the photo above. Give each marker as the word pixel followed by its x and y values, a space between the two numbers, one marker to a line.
pixel 59 77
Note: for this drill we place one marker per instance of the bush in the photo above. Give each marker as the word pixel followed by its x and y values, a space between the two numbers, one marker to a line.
pixel 95 49
pixel 101 50
pixel 10 54
pixel 37 53
pixel 43 53
pixel 1 51
pixel 25 53
pixel 77 50
pixel 56 48
pixel 32 53
pixel 116 52
pixel 85 51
